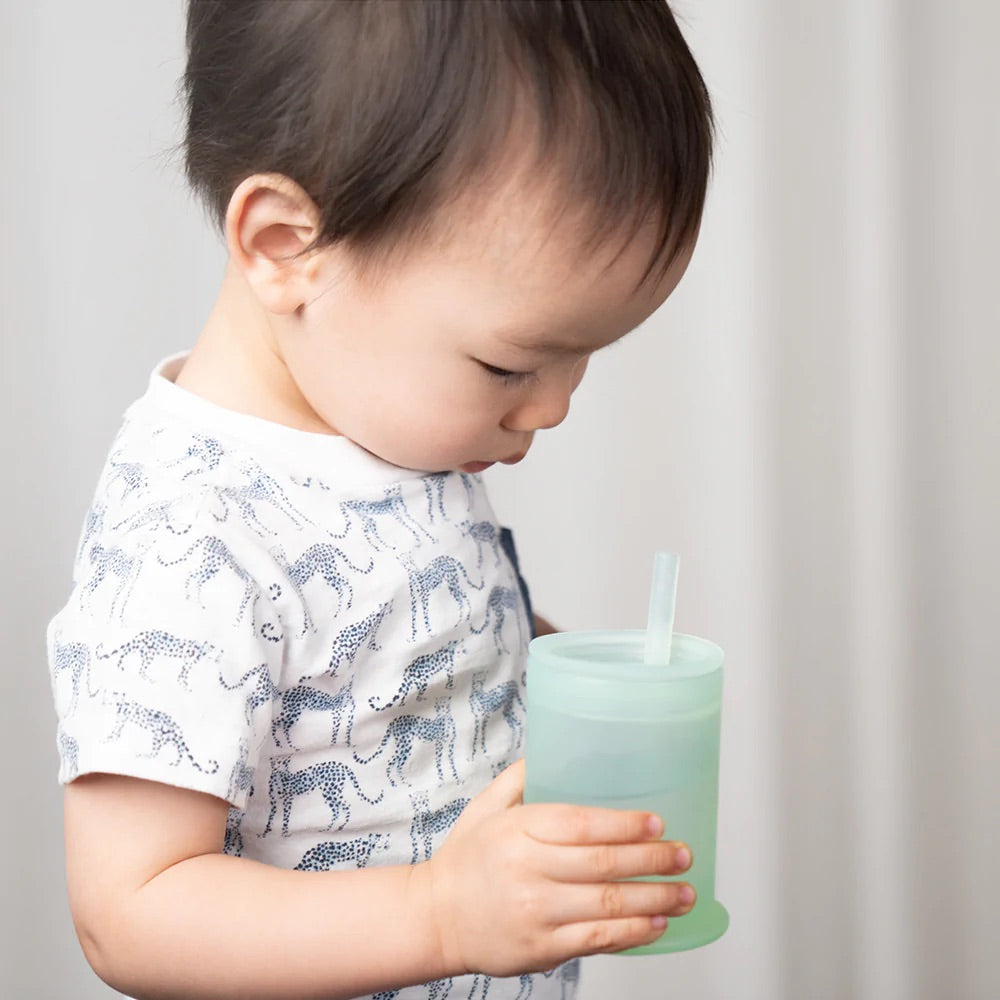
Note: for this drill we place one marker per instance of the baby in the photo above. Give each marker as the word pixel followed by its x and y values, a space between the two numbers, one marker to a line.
pixel 290 674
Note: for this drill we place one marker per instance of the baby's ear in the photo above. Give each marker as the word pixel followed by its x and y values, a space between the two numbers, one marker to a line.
pixel 270 221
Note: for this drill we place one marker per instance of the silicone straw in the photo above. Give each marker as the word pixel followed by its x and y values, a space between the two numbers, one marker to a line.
pixel 662 598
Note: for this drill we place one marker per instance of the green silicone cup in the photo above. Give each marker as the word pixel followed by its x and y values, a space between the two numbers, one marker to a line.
pixel 606 729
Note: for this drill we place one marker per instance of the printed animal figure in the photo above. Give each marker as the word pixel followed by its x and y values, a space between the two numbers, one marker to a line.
pixel 483 982
pixel 327 855
pixel 480 982
pixel 69 750
pixel 261 488
pixel 527 985
pixel 215 556
pixel 297 700
pixel 133 474
pixel 428 823
pixel 309 482
pixel 349 640
pixel 434 488
pixel 329 777
pixel 156 514
pixel 109 563
pixel 233 843
pixel 418 672
pixel 569 976
pixel 321 559
pixel 263 691
pixel 241 776
pixel 74 657
pixel 160 726
pixel 270 632
pixel 315 483
pixel 469 483
pixel 484 533
pixel 406 730
pixel 500 601
pixel 205 452
pixel 154 643
pixel 423 582
pixel 440 989
pixel 392 507
pixel 93 526
pixel 485 704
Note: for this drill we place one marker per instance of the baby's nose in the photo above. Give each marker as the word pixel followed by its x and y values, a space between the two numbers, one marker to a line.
pixel 539 412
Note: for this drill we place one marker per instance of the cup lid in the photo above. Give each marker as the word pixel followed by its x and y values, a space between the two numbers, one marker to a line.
pixel 601 674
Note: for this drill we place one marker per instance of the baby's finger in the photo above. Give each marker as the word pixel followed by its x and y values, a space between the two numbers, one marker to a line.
pixel 610 862
pixel 616 900
pixel 504 792
pixel 507 789
pixel 597 937
pixel 566 824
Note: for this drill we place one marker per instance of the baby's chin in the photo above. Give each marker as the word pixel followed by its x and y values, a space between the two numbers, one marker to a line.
pixel 412 459
pixel 420 463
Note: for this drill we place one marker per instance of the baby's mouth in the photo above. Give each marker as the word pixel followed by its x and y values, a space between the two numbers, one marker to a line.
pixel 474 467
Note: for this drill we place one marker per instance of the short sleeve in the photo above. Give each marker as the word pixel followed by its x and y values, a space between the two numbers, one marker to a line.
pixel 165 661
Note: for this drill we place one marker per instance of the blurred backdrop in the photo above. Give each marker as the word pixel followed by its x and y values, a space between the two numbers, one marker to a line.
pixel 812 421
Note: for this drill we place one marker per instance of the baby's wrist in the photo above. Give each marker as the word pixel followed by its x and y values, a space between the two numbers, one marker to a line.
pixel 430 902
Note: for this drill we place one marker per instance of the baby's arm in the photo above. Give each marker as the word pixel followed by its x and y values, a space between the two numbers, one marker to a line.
pixel 162 913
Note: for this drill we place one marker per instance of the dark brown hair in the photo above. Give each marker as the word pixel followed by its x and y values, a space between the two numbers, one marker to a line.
pixel 383 109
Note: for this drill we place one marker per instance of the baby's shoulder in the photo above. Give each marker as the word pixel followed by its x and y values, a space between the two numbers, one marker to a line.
pixel 169 486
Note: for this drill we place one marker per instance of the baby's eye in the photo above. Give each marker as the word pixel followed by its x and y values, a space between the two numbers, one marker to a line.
pixel 504 375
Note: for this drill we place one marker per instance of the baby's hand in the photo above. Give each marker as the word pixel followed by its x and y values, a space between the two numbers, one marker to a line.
pixel 520 888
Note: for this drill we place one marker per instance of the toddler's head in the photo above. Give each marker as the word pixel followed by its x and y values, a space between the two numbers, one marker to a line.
pixel 440 209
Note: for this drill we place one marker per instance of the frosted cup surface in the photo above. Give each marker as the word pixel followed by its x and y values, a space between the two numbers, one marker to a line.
pixel 605 729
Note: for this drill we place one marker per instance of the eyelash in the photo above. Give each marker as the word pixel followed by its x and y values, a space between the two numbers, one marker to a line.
pixel 505 376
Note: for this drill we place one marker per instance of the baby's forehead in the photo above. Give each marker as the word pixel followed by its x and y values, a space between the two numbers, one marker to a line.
pixel 522 211
pixel 537 278
pixel 540 237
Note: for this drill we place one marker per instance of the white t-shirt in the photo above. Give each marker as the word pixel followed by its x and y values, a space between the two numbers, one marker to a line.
pixel 330 643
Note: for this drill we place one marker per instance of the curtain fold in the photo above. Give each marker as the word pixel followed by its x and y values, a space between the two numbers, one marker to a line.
pixel 881 168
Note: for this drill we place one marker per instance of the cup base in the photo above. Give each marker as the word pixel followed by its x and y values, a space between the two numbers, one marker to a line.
pixel 699 927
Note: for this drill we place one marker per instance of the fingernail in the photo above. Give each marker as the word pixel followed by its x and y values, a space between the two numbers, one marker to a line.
pixel 687 895
pixel 683 858
pixel 659 922
pixel 655 826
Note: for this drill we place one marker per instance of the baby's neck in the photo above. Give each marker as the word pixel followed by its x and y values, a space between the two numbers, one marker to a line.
pixel 236 364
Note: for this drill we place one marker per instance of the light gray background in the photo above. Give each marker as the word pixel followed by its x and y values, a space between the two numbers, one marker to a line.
pixel 812 421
